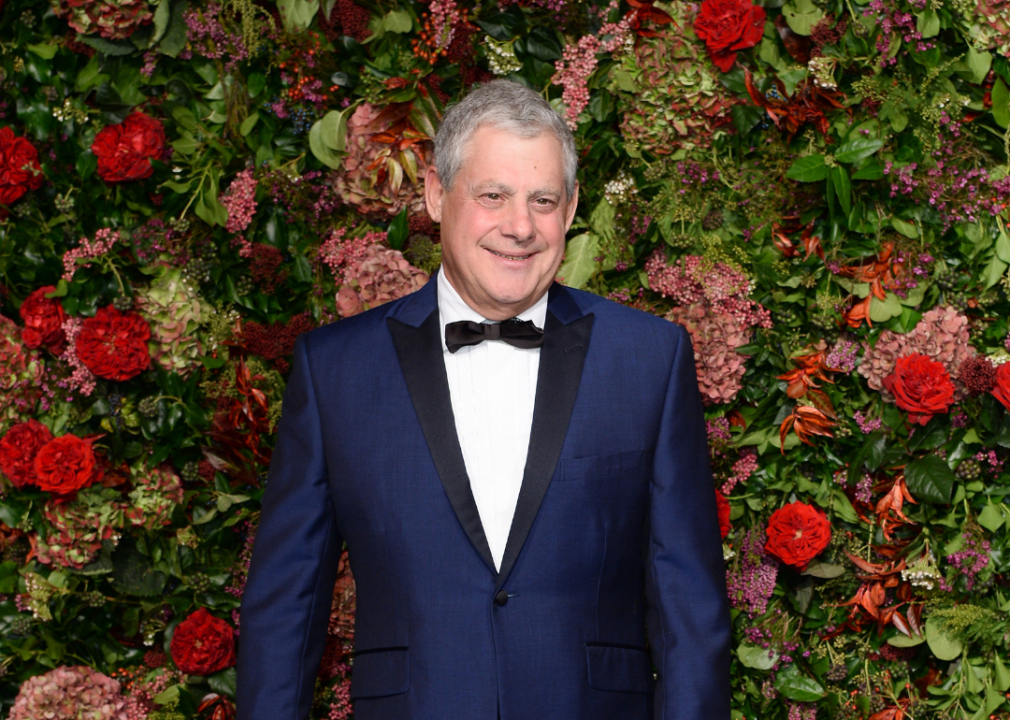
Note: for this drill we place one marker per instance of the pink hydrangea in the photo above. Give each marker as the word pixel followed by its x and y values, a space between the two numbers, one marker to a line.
pixel 21 371
pixel 715 337
pixel 112 19
pixel 691 280
pixel 340 254
pixel 941 335
pixel 381 275
pixel 240 202
pixel 75 530
pixel 70 693
pixel 156 493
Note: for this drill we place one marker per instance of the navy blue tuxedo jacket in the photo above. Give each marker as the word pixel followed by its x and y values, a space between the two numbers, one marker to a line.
pixel 611 601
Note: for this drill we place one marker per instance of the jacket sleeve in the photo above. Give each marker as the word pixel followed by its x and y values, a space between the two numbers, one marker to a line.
pixel 286 604
pixel 688 610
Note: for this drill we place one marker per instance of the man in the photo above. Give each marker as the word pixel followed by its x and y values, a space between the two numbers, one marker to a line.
pixel 519 471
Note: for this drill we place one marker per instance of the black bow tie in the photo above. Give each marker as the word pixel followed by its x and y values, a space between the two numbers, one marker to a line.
pixel 517 333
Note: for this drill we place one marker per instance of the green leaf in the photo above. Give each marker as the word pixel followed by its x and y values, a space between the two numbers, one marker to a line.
pixel 993 271
pixel 133 573
pixel 624 80
pixel 871 171
pixel 906 228
pixel 1003 246
pixel 398 230
pixel 44 51
pixel 979 63
pixel 823 570
pixel 927 23
pixel 249 123
pixel 161 18
pixel 930 479
pixel 856 149
pixel 185 117
pixel 256 83
pixel 991 518
pixel 60 291
pixel 808 169
pixel 843 188
pixel 884 310
pixel 334 129
pixel 993 699
pixel 580 260
pixel 175 37
pixel 398 21
pixel 943 646
pixel 796 686
pixel 90 76
pixel 223 682
pixel 900 640
pixel 185 145
pixel 755 657
pixel 107 47
pixel 1002 676
pixel 327 139
pixel 168 696
pixel 802 15
pixel 297 14
pixel 8 576
pixel 1001 103
pixel 178 187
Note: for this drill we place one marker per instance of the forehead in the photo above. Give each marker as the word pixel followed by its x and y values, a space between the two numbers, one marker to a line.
pixel 490 152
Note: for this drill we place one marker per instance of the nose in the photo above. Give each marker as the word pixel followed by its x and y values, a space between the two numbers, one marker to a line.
pixel 518 223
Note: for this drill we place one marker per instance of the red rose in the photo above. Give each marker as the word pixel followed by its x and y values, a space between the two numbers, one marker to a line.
pixel 65 465
pixel 723 506
pixel 124 151
pixel 18 449
pixel 727 26
pixel 1001 390
pixel 797 533
pixel 44 319
pixel 19 167
pixel 113 345
pixel 203 644
pixel 921 386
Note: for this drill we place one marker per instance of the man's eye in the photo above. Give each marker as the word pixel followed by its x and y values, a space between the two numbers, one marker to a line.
pixel 492 196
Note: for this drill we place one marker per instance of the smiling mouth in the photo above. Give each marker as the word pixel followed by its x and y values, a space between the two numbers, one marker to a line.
pixel 510 257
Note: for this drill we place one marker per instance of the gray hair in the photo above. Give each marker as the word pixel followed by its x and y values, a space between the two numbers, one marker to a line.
pixel 504 105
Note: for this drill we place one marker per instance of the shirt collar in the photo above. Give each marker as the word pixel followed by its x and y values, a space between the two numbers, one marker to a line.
pixel 452 308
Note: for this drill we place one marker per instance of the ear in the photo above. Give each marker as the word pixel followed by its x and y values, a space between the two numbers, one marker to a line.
pixel 572 205
pixel 434 191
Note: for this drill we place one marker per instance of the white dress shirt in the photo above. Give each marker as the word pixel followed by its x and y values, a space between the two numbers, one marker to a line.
pixel 492 387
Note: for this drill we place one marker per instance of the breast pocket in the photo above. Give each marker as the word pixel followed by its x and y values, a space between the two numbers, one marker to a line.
pixel 628 463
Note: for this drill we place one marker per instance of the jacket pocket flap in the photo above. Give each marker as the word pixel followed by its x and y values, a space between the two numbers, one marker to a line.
pixel 619 669
pixel 380 672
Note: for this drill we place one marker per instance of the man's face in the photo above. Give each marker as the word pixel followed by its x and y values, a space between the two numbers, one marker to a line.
pixel 504 221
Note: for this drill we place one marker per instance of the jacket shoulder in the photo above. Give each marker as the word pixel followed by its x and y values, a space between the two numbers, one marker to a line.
pixel 630 324
pixel 367 327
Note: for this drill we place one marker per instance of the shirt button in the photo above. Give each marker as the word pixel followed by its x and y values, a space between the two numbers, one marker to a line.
pixel 501 598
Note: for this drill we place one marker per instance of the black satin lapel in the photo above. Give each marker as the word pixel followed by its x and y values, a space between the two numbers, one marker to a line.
pixel 419 350
pixel 561 361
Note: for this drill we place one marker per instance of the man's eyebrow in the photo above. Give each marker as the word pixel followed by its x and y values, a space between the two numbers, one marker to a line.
pixel 540 192
pixel 493 187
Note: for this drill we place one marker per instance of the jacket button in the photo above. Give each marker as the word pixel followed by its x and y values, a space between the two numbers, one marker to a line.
pixel 501 598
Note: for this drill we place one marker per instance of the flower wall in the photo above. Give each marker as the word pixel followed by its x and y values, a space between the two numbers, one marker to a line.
pixel 816 189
